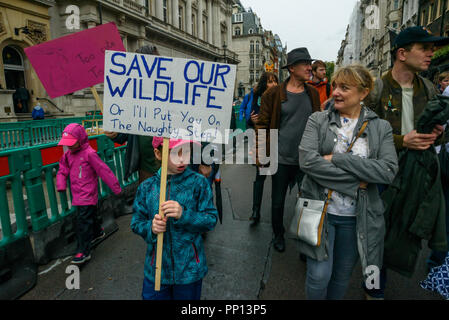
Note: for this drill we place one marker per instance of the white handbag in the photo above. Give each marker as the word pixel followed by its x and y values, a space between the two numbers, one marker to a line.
pixel 308 221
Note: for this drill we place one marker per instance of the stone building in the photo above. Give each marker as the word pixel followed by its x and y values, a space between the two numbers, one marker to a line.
pixel 434 16
pixel 259 50
pixel 22 24
pixel 350 48
pixel 199 29
pixel 409 13
pixel 370 33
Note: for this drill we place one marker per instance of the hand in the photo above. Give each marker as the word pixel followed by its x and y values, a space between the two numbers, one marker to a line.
pixel 363 185
pixel 205 170
pixel 172 209
pixel 328 157
pixel 419 141
pixel 254 117
pixel 110 134
pixel 159 225
pixel 438 130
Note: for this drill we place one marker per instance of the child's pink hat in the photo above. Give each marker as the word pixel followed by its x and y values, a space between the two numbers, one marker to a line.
pixel 67 140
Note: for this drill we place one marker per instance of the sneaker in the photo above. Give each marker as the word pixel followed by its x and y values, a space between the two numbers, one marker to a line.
pixel 80 258
pixel 99 237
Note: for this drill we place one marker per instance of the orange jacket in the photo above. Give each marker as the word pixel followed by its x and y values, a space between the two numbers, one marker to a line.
pixel 323 88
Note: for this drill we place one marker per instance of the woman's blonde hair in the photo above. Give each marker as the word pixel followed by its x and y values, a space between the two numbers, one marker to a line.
pixel 355 75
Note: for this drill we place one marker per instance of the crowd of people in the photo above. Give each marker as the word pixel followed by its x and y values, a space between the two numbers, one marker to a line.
pixel 359 145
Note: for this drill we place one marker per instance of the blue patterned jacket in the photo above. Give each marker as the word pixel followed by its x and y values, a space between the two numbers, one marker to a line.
pixel 183 258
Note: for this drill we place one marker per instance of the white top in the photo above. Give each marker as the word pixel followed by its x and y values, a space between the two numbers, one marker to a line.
pixel 339 204
pixel 407 111
pixel 446 92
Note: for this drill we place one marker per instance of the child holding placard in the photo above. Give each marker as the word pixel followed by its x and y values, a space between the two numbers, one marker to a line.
pixel 188 212
pixel 82 165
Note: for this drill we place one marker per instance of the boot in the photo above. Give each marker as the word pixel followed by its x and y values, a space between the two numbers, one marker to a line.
pixel 255 218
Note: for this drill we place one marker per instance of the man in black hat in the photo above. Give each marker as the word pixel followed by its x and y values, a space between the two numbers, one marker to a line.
pixel 401 95
pixel 287 108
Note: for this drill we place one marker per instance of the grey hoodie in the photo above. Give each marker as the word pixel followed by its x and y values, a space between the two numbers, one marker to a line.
pixel 344 175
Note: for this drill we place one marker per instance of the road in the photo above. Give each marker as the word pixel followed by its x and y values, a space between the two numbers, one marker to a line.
pixel 242 263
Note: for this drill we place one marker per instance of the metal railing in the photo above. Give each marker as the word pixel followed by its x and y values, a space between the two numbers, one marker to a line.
pixel 27 186
pixel 24 134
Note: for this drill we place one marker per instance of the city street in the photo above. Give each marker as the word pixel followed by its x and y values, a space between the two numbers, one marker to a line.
pixel 242 262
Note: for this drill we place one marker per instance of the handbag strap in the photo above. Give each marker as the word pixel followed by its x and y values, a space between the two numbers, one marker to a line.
pixel 362 129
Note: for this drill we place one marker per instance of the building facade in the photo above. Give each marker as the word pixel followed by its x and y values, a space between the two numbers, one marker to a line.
pixel 409 13
pixel 350 48
pixel 434 16
pixel 22 24
pixel 198 29
pixel 258 50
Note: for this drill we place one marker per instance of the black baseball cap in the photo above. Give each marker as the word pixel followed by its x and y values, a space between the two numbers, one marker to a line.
pixel 417 34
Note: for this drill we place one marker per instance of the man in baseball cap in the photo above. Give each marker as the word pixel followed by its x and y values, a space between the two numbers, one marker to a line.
pixel 400 97
pixel 417 34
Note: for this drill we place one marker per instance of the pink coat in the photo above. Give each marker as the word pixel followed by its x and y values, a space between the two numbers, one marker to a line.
pixel 84 166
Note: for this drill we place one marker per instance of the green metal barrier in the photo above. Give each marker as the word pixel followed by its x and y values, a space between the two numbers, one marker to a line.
pixel 36 132
pixel 16 165
pixel 34 169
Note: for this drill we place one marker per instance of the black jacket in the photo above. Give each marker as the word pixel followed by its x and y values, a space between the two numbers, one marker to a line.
pixel 415 205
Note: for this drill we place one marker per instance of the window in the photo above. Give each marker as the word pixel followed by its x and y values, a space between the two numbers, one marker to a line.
pixel 194 31
pixel 251 46
pixel 238 17
pixel 13 68
pixel 165 9
pixel 394 25
pixel 181 17
pixel 251 77
pixel 257 75
pixel 148 7
pixel 251 31
pixel 395 4
pixel 237 31
pixel 257 63
pixel 257 46
pixel 251 63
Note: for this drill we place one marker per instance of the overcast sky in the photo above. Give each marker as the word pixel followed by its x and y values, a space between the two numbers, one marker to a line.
pixel 319 25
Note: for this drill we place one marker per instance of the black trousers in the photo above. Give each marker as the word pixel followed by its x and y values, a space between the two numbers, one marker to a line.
pixel 87 226
pixel 258 190
pixel 286 175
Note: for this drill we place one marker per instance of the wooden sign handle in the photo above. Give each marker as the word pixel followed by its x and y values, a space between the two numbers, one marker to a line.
pixel 97 98
pixel 162 196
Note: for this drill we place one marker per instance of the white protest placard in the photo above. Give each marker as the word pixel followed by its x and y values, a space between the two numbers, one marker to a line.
pixel 167 97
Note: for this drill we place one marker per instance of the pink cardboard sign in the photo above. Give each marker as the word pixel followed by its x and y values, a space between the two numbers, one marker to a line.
pixel 74 62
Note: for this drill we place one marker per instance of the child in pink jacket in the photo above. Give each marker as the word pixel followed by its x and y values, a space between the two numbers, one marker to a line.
pixel 82 165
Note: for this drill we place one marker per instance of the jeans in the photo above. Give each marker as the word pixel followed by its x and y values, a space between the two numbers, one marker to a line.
pixel 329 279
pixel 286 175
pixel 87 227
pixel 190 291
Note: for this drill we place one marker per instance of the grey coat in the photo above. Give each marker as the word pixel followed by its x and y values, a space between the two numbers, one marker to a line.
pixel 344 175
